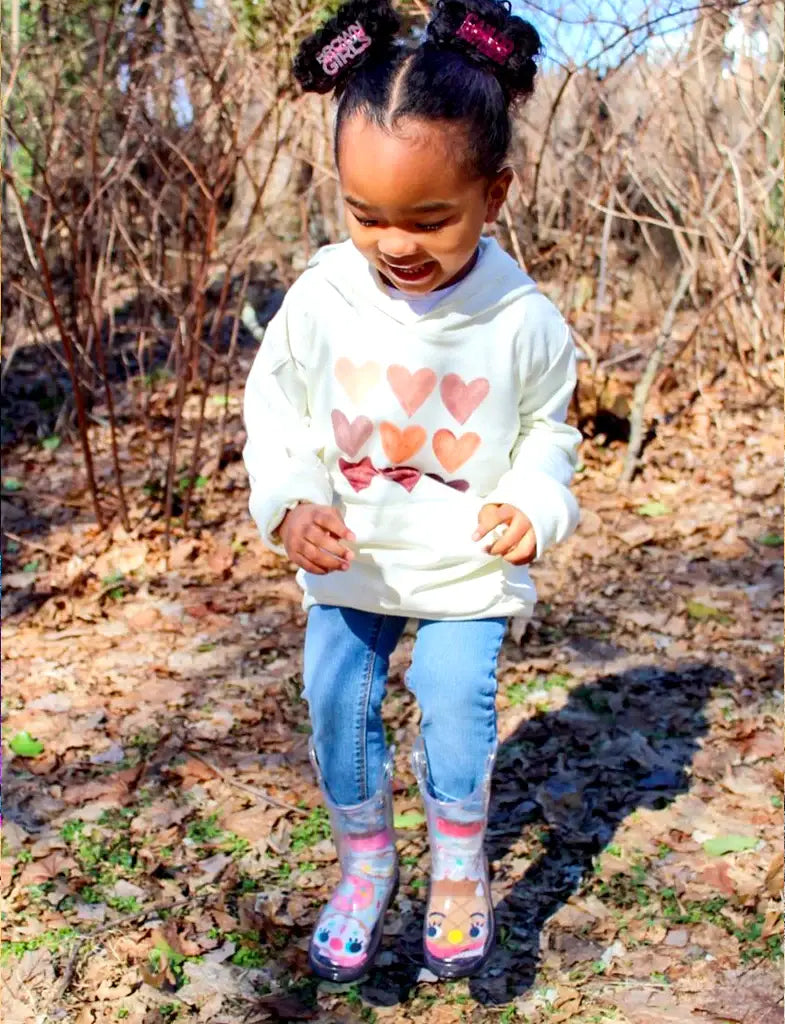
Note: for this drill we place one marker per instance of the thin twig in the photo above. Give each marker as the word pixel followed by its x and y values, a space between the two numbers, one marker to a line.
pixel 260 794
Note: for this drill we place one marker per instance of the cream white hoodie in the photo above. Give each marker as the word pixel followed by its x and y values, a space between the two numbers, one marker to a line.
pixel 408 425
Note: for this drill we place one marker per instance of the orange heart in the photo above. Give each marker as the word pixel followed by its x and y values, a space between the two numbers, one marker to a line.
pixel 400 445
pixel 453 451
pixel 357 380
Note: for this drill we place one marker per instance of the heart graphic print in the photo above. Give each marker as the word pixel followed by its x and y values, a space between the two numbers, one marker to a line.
pixel 411 389
pixel 350 437
pixel 357 381
pixel 462 399
pixel 452 451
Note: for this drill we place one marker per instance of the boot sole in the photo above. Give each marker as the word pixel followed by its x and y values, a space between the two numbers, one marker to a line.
pixel 328 972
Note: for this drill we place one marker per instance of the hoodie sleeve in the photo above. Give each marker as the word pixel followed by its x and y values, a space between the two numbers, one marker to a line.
pixel 545 453
pixel 281 450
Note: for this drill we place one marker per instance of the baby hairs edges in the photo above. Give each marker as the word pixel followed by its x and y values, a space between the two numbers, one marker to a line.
pixel 343 49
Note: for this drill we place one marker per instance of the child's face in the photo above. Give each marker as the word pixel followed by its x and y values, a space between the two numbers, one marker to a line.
pixel 411 208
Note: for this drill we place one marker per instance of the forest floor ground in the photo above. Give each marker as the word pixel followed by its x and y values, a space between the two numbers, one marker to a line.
pixel 165 853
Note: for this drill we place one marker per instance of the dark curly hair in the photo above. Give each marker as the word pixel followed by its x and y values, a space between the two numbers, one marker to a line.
pixel 474 63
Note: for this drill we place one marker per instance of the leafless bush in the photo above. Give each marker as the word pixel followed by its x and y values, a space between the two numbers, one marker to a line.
pixel 153 164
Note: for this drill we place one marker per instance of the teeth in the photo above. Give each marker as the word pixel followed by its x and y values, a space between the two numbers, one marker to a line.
pixel 410 270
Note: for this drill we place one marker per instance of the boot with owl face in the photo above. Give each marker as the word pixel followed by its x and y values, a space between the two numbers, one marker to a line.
pixel 459 925
pixel 349 930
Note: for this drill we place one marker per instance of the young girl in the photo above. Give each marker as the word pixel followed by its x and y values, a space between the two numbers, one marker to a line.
pixel 407 449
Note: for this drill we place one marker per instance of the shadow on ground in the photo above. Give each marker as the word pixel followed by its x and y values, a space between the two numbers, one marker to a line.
pixel 567 779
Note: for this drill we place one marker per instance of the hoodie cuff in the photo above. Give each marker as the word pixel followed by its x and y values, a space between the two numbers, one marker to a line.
pixel 268 510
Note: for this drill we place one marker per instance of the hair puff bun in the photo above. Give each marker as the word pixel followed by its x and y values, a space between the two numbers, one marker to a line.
pixel 361 29
pixel 488 35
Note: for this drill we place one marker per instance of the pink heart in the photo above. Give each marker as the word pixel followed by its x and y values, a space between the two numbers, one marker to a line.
pixel 411 389
pixel 462 399
pixel 350 437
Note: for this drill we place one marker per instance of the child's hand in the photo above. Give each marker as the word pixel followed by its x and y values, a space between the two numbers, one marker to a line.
pixel 312 536
pixel 518 544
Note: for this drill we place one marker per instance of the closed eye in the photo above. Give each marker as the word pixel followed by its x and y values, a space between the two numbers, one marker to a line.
pixel 365 221
pixel 431 227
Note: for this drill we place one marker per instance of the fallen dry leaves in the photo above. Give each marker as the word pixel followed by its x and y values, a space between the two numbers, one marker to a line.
pixel 166 854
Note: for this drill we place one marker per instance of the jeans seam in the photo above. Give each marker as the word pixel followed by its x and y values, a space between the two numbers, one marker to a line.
pixel 361 747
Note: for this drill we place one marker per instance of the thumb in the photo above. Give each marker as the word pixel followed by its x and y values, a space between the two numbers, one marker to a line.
pixel 489 517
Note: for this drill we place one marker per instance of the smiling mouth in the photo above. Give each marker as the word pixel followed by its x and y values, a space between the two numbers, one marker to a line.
pixel 412 273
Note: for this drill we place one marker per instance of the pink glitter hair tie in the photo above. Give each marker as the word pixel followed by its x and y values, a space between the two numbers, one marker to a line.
pixel 344 48
pixel 485 38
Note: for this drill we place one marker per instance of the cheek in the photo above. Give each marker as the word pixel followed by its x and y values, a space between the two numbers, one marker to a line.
pixel 459 241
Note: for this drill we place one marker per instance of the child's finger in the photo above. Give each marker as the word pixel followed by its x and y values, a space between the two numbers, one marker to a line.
pixel 320 538
pixel 490 517
pixel 508 540
pixel 326 560
pixel 309 566
pixel 330 520
pixel 524 551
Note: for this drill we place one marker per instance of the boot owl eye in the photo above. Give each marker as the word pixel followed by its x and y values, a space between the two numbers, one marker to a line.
pixel 323 935
pixel 477 926
pixel 354 945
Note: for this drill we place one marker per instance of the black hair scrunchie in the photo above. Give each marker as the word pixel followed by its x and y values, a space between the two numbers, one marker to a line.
pixel 361 30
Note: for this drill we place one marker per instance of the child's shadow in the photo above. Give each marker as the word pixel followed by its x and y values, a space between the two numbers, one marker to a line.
pixel 565 780
pixel 563 783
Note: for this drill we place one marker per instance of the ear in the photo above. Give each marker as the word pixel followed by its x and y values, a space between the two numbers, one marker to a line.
pixel 497 193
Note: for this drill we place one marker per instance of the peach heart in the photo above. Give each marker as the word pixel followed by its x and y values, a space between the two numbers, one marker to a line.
pixel 452 451
pixel 357 380
pixel 411 389
pixel 400 445
pixel 350 437
pixel 462 399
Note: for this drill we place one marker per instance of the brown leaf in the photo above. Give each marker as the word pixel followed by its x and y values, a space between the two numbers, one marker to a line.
pixel 774 875
pixel 34 972
pixel 566 1005
pixel 210 868
pixel 46 868
pixel 253 824
pixel 746 995
pixel 220 559
pixel 121 558
pixel 7 865
pixel 161 814
pixel 717 875
pixel 183 552
pixel 761 744
pixel 637 535
pixel 443 1013
pixel 116 787
pixel 224 922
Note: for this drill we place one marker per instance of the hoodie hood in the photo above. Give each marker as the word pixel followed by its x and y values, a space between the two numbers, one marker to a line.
pixel 495 281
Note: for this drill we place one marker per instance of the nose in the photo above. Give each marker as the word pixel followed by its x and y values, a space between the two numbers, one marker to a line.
pixel 396 245
pixel 455 936
pixel 335 944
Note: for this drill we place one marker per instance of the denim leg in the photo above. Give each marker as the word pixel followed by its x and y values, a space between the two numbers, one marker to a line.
pixel 347 656
pixel 453 676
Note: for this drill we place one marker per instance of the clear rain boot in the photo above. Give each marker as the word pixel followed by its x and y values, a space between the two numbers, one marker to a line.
pixel 459 934
pixel 349 930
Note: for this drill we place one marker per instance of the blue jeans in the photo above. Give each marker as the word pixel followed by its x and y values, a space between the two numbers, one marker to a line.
pixel 453 676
